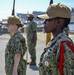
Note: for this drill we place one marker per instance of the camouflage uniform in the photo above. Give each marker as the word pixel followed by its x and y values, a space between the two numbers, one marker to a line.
pixel 15 45
pixel 31 28
pixel 66 30
pixel 49 59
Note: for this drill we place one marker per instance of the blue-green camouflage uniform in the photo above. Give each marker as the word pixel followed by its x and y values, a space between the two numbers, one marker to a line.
pixel 50 57
pixel 66 30
pixel 15 45
pixel 31 28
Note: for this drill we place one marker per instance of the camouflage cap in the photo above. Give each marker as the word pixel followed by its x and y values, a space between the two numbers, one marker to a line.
pixel 30 15
pixel 56 10
pixel 13 20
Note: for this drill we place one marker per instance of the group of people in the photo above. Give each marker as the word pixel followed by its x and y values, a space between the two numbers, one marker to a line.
pixel 58 56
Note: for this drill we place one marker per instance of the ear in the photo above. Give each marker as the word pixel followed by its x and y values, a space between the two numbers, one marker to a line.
pixel 60 22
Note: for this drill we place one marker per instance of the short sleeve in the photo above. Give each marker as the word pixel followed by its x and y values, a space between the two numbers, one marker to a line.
pixel 18 48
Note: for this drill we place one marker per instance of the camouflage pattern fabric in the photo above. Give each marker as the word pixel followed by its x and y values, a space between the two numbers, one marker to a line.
pixel 66 30
pixel 50 57
pixel 31 28
pixel 15 45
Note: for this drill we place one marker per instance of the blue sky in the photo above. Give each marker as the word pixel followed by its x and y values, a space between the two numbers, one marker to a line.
pixel 24 6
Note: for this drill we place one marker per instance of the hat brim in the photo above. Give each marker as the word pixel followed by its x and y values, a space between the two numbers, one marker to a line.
pixel 44 16
pixel 5 22
pixel 30 16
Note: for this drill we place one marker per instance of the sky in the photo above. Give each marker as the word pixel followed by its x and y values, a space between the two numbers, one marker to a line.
pixel 24 6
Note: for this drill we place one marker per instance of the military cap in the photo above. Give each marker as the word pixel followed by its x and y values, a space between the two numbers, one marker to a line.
pixel 30 15
pixel 13 20
pixel 56 10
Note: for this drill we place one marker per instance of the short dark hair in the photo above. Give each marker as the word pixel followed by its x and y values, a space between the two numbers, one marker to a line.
pixel 66 21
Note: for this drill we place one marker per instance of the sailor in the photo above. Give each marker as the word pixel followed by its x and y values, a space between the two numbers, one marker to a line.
pixel 32 38
pixel 57 58
pixel 15 49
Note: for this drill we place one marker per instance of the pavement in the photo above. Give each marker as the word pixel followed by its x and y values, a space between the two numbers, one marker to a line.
pixel 31 70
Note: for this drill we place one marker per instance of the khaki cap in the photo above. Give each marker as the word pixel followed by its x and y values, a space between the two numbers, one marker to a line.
pixel 30 15
pixel 56 10
pixel 13 20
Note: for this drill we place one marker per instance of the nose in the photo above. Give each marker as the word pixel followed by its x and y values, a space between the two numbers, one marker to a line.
pixel 44 22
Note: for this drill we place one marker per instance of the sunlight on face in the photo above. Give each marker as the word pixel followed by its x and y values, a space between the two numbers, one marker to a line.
pixel 11 28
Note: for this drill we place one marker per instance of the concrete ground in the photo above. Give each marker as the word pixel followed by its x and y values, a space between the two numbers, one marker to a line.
pixel 31 70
